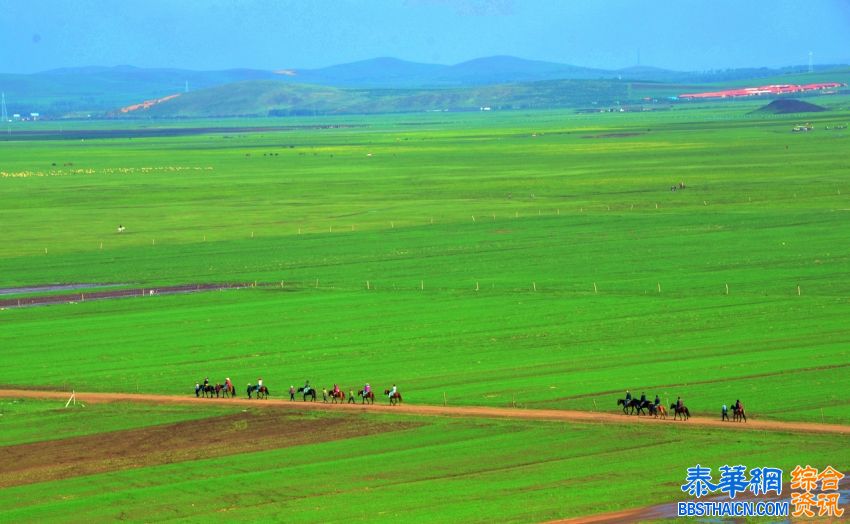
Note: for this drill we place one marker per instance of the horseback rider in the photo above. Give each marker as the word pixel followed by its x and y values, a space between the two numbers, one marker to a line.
pixel 259 384
pixel 628 396
pixel 679 403
pixel 657 400
pixel 393 391
pixel 336 390
pixel 206 382
pixel 738 405
pixel 367 389
pixel 306 387
pixel 642 398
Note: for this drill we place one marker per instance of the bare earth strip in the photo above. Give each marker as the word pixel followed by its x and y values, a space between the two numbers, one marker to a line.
pixel 459 411
pixel 247 432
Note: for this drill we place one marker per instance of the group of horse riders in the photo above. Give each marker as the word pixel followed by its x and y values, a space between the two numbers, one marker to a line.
pixel 643 401
pixel 228 389
pixel 205 387
pixel 654 408
pixel 336 393
pixel 678 407
pixel 308 390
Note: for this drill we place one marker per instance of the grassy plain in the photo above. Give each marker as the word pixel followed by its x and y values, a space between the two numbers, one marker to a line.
pixel 27 421
pixel 578 202
pixel 436 470
pixel 535 258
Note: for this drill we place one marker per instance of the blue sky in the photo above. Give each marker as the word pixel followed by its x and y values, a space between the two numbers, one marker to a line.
pixel 37 35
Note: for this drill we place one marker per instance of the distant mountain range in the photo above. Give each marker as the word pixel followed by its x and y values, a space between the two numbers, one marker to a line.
pixel 100 90
pixel 394 73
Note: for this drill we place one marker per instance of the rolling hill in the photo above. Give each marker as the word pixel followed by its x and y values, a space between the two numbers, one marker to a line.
pixel 376 72
pixel 270 98
pixel 61 92
pixel 96 91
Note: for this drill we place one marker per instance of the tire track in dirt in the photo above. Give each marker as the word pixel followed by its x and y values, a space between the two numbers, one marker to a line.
pixel 584 417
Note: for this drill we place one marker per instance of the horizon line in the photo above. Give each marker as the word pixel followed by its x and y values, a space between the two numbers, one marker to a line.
pixel 373 59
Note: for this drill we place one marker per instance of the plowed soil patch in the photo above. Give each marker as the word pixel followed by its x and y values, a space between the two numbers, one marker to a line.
pixel 199 439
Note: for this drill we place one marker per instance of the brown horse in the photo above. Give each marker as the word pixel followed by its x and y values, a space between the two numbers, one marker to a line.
pixel 661 411
pixel 338 396
pixel 225 391
pixel 395 398
pixel 367 397
pixel 739 415
pixel 677 411
pixel 261 391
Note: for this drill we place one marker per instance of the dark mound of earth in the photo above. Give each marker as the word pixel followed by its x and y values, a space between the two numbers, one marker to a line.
pixel 788 105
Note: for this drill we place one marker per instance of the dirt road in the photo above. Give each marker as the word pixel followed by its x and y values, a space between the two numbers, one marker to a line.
pixel 444 411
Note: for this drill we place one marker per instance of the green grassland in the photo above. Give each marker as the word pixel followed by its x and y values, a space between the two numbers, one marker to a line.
pixel 534 258
pixel 549 201
pixel 438 470
pixel 27 420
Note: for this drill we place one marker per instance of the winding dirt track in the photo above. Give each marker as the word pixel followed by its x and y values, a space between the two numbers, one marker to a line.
pixel 444 411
